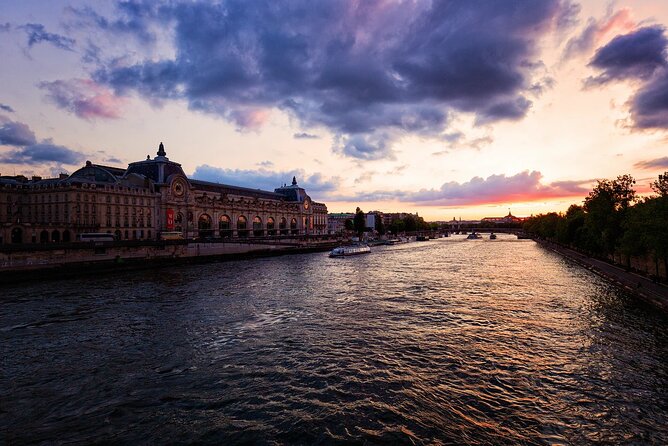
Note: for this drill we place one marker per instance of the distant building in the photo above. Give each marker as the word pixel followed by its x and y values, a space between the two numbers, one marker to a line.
pixel 510 218
pixel 336 222
pixel 147 198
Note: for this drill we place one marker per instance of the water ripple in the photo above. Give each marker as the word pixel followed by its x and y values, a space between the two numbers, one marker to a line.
pixel 443 342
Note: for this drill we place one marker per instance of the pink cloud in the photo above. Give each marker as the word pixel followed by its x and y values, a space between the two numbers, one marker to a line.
pixel 523 187
pixel 85 98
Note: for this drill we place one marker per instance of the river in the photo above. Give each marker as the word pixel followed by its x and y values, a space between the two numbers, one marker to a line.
pixel 450 341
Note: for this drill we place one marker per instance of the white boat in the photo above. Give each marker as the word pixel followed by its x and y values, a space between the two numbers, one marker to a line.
pixel 474 236
pixel 343 251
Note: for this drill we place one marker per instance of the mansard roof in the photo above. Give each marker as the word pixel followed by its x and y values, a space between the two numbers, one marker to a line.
pixel 235 190
pixel 92 173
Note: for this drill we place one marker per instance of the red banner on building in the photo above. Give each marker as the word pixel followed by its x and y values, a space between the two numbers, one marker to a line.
pixel 170 219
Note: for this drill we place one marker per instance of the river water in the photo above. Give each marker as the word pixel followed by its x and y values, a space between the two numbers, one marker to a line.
pixel 449 341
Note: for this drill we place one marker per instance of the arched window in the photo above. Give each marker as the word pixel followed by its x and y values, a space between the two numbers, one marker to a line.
pixel 257 227
pixel 55 236
pixel 67 237
pixel 225 226
pixel 178 222
pixel 271 226
pixel 204 226
pixel 44 236
pixel 293 226
pixel 283 226
pixel 242 224
pixel 17 235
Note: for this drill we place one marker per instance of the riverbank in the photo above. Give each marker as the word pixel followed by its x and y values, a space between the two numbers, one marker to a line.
pixel 57 262
pixel 646 289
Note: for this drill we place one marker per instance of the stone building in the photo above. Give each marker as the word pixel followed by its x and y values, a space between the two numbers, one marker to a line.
pixel 146 199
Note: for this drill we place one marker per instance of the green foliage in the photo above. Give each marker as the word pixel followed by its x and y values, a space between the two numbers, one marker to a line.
pixel 612 221
pixel 359 221
pixel 660 186
pixel 380 226
pixel 397 226
pixel 349 225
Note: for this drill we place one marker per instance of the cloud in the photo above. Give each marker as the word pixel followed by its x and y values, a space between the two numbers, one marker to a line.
pixel 596 30
pixel 658 163
pixel 511 110
pixel 266 164
pixel 649 106
pixel 113 160
pixel 265 179
pixel 523 187
pixel 359 69
pixel 37 34
pixel 84 98
pixel 44 152
pixel 362 147
pixel 14 133
pixel 636 55
pixel 7 108
pixel 305 136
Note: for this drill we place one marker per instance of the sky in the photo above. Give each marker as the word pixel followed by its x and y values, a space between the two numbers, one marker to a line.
pixel 446 108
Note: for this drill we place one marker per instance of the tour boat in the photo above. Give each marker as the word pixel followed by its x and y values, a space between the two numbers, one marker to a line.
pixel 474 236
pixel 343 251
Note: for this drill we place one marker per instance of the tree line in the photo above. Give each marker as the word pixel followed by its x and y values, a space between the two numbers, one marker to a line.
pixel 613 221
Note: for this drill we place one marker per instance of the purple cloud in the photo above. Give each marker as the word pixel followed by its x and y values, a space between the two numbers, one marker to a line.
pixel 657 163
pixel 358 68
pixel 305 136
pixel 636 55
pixel 523 187
pixel 37 34
pixel 14 133
pixel 44 152
pixel 265 179
pixel 6 108
pixel 84 98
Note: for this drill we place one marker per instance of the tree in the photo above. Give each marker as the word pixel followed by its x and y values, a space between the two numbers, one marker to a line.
pixel 397 226
pixel 349 225
pixel 359 221
pixel 380 226
pixel 660 186
pixel 410 223
pixel 605 209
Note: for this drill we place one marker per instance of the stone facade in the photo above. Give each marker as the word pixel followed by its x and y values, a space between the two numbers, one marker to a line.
pixel 146 199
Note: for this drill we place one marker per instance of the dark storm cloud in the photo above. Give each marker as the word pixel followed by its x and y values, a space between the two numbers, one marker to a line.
pixel 265 179
pixel 510 110
pixel 636 55
pixel 658 163
pixel 649 106
pixel 6 108
pixel 357 68
pixel 37 34
pixel 41 153
pixel 13 133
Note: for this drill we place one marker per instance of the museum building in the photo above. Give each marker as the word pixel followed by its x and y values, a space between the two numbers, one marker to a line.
pixel 147 199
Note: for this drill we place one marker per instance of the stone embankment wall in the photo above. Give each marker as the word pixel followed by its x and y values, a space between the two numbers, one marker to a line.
pixel 18 264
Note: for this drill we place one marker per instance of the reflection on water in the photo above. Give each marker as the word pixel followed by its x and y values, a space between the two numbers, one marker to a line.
pixel 448 341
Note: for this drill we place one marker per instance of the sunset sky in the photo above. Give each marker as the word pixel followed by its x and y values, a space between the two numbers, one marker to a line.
pixel 446 108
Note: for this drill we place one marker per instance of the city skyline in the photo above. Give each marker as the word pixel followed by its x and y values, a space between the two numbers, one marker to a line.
pixel 448 110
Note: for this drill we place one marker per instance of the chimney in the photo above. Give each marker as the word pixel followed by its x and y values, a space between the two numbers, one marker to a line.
pixel 36 178
pixel 62 176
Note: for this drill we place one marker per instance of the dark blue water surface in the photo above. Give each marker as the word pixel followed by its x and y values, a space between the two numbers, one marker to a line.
pixel 442 342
